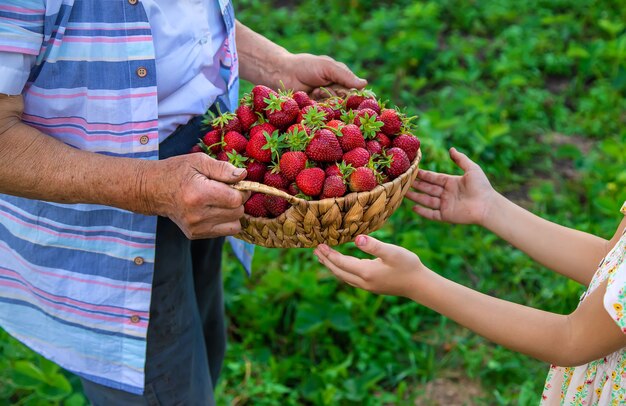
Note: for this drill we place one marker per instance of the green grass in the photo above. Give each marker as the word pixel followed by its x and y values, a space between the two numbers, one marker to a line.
pixel 534 92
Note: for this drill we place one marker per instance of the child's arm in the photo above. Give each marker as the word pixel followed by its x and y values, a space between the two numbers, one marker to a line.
pixel 567 340
pixel 470 199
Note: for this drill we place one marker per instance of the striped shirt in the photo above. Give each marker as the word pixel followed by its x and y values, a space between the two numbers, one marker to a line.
pixel 75 280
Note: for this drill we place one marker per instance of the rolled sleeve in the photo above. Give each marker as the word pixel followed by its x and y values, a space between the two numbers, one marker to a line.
pixel 21 26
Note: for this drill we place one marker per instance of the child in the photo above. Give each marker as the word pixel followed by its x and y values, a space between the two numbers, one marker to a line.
pixel 589 343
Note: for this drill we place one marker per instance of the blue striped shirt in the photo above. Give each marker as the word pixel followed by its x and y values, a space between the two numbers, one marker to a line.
pixel 75 280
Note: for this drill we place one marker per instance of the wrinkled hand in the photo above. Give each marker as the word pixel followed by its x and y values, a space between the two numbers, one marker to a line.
pixel 311 72
pixel 455 199
pixel 193 191
pixel 391 273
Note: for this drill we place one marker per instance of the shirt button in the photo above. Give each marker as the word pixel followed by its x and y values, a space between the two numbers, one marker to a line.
pixel 204 40
pixel 134 318
pixel 133 2
pixel 144 139
pixel 142 72
pixel 138 261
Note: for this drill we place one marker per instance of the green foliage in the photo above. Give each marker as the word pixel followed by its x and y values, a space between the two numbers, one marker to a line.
pixel 533 91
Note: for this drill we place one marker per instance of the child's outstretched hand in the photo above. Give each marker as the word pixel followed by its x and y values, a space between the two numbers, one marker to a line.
pixel 392 273
pixel 455 199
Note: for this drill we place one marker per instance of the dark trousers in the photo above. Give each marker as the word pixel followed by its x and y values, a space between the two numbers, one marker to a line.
pixel 186 333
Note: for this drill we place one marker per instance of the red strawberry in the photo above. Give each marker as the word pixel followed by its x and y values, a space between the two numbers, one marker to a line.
pixel 335 104
pixel 369 104
pixel 260 128
pixel 281 111
pixel 374 147
pixel 256 171
pixel 293 189
pixel 353 101
pixel 391 121
pixel 399 162
pixel 409 144
pixel 222 156
pixel 294 128
pixel 292 163
pixel 259 94
pixel 333 170
pixel 351 138
pixel 363 179
pixel 364 114
pixel 247 117
pixel 302 99
pixel 311 181
pixel 276 179
pixel 226 122
pixel 336 124
pixel 275 205
pixel 314 116
pixel 334 186
pixel 233 141
pixel 384 141
pixel 255 206
pixel 329 113
pixel 324 147
pixel 255 150
pixel 195 148
pixel 213 140
pixel 357 157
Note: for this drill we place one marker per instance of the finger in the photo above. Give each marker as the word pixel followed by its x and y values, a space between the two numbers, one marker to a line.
pixel 347 277
pixel 220 170
pixel 428 188
pixel 377 248
pixel 462 161
pixel 427 213
pixel 220 195
pixel 216 230
pixel 424 200
pixel 346 263
pixel 432 177
pixel 340 74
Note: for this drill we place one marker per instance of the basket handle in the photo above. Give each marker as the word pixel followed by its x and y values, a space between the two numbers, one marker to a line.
pixel 268 190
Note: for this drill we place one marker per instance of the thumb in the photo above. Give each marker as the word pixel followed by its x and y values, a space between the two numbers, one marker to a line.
pixel 375 247
pixel 221 171
pixel 462 161
pixel 338 73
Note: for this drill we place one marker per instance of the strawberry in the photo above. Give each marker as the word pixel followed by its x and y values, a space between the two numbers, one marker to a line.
pixel 255 148
pixel 196 148
pixel 391 121
pixel 281 111
pixel 302 99
pixel 222 156
pixel 260 128
pixel 369 104
pixel 226 122
pixel 357 157
pixel 275 205
pixel 336 104
pixel 351 137
pixel 329 113
pixel 256 171
pixel 255 206
pixel 293 189
pixel 311 181
pixel 367 121
pixel 362 179
pixel 294 128
pixel 363 114
pixel 213 140
pixel 259 94
pixel 374 147
pixel 399 162
pixel 292 163
pixel 247 117
pixel 383 140
pixel 409 144
pixel 276 179
pixel 234 141
pixel 324 147
pixel 336 124
pixel 334 186
pixel 333 170
pixel 313 116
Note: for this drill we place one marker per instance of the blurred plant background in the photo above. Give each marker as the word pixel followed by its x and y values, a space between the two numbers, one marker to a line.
pixel 534 92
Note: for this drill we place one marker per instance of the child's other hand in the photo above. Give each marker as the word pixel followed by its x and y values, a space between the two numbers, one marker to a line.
pixel 391 273
pixel 455 199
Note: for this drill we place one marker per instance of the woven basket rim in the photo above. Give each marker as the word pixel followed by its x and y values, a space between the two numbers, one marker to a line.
pixel 312 203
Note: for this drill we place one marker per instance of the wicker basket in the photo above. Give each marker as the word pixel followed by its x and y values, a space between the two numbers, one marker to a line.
pixel 329 221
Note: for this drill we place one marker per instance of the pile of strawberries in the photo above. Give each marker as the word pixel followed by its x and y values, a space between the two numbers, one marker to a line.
pixel 313 150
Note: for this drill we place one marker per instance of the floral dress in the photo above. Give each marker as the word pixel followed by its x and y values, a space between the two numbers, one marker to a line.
pixel 603 381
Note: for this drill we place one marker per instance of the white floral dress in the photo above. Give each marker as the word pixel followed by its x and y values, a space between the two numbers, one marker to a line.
pixel 603 381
